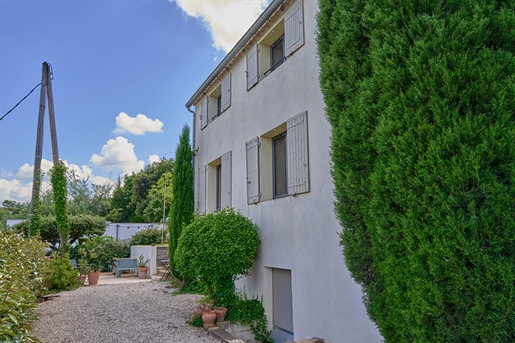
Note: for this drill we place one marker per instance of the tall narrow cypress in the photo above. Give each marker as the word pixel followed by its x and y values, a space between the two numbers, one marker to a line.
pixel 181 211
pixel 421 99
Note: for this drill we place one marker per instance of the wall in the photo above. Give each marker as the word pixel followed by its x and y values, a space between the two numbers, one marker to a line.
pixel 126 230
pixel 154 253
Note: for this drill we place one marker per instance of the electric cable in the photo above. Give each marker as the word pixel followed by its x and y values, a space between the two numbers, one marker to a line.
pixel 19 102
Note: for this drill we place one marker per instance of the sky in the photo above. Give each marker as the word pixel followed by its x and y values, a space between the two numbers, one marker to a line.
pixel 122 73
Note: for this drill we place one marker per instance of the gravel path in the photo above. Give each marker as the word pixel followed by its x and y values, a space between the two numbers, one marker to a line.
pixel 138 312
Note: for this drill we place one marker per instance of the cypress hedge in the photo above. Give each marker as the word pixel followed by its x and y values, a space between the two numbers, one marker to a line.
pixel 421 99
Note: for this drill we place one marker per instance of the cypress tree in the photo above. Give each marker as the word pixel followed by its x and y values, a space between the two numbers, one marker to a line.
pixel 181 211
pixel 421 99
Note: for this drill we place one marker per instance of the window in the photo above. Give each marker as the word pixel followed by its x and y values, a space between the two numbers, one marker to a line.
pixel 218 187
pixel 279 166
pixel 216 102
pixel 280 42
pixel 218 183
pixel 278 161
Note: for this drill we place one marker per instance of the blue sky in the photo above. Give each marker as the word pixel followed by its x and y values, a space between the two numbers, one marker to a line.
pixel 123 71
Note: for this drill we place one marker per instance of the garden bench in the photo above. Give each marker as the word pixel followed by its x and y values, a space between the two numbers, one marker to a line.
pixel 126 264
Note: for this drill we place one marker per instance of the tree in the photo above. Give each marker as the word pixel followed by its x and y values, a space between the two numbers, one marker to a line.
pixel 153 213
pixel 58 180
pixel 420 96
pixel 181 212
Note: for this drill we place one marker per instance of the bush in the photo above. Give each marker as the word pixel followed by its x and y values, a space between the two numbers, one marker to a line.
pixel 216 248
pixel 100 251
pixel 61 275
pixel 250 312
pixel 149 236
pixel 421 99
pixel 22 264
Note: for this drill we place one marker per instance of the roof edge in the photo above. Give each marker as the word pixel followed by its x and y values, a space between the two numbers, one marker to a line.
pixel 267 13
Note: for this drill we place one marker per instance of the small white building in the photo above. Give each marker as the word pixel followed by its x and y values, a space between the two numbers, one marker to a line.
pixel 126 230
pixel 262 145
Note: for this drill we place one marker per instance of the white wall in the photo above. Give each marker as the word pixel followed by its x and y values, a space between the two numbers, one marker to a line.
pixel 127 230
pixel 297 233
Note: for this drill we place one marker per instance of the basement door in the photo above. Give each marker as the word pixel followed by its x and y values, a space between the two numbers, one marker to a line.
pixel 282 305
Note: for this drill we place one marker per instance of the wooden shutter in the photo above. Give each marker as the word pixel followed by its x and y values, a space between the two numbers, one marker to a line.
pixel 297 154
pixel 201 193
pixel 226 92
pixel 293 28
pixel 203 112
pixel 253 171
pixel 252 67
pixel 226 180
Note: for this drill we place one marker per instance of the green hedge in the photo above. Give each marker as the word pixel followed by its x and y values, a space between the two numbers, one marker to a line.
pixel 216 248
pixel 148 236
pixel 421 99
pixel 22 264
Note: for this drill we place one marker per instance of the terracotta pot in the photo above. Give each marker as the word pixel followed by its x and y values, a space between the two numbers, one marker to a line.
pixel 93 278
pixel 81 279
pixel 220 313
pixel 142 272
pixel 209 317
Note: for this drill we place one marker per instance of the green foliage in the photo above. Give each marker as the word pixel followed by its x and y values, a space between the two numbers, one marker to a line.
pixel 153 213
pixel 182 210
pixel 196 320
pixel 250 312
pixel 216 248
pixel 81 227
pixel 148 236
pixel 22 264
pixel 420 96
pixel 61 275
pixel 58 179
pixel 99 251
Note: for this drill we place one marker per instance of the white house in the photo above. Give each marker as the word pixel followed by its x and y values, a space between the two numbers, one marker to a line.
pixel 261 144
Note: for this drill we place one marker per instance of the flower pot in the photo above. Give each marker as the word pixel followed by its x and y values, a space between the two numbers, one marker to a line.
pixel 142 272
pixel 209 317
pixel 220 313
pixel 81 279
pixel 93 278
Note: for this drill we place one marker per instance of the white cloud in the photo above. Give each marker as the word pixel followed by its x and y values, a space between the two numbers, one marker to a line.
pixel 17 191
pixel 138 125
pixel 153 158
pixel 116 154
pixel 226 20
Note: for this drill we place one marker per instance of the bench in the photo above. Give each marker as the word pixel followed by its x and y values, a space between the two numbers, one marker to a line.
pixel 126 264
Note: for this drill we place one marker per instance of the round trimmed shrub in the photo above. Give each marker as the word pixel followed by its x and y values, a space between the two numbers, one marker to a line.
pixel 149 236
pixel 216 249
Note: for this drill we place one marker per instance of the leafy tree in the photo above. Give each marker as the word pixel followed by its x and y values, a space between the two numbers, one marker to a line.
pixel 153 213
pixel 58 179
pixel 181 212
pixel 420 96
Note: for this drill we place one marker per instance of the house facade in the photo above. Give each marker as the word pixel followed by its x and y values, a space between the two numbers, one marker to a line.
pixel 261 144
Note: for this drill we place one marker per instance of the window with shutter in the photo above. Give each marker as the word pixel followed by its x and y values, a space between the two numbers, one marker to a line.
pixel 201 196
pixel 252 67
pixel 226 178
pixel 297 154
pixel 226 92
pixel 293 28
pixel 252 148
pixel 203 112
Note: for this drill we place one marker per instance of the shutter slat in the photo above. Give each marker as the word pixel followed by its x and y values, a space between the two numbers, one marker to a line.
pixel 201 199
pixel 293 28
pixel 226 92
pixel 203 113
pixel 252 148
pixel 252 67
pixel 297 154
pixel 226 180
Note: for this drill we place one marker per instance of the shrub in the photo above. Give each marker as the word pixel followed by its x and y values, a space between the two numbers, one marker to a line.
pixel 250 312
pixel 22 264
pixel 216 248
pixel 100 251
pixel 421 99
pixel 149 236
pixel 61 275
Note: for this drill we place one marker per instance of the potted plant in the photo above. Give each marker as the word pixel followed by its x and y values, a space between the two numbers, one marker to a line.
pixel 91 258
pixel 142 267
pixel 84 270
pixel 208 315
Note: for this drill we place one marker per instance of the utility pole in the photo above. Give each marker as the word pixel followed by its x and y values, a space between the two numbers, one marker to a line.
pixel 46 93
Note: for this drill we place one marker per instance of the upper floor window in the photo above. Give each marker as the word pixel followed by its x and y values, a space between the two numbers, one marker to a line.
pixel 216 102
pixel 279 175
pixel 281 41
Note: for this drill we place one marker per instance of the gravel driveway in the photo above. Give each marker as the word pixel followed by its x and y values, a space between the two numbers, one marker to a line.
pixel 134 312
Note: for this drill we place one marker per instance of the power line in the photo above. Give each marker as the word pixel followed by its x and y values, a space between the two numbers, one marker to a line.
pixel 19 102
